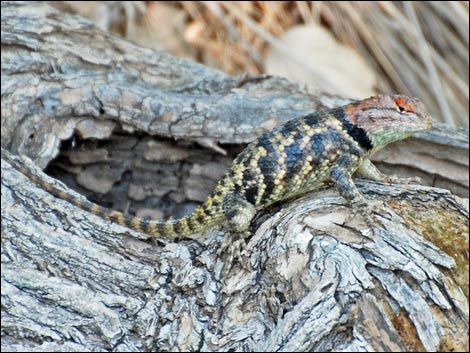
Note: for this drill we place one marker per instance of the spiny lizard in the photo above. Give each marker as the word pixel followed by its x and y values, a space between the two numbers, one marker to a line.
pixel 292 159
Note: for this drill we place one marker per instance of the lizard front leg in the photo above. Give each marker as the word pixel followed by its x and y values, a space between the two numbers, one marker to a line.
pixel 368 170
pixel 341 175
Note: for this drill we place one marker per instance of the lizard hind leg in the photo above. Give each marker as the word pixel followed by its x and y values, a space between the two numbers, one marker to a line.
pixel 239 212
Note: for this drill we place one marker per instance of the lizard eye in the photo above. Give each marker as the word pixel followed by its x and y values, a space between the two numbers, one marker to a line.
pixel 401 105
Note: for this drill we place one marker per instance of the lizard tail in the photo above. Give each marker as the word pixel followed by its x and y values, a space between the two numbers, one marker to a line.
pixel 204 217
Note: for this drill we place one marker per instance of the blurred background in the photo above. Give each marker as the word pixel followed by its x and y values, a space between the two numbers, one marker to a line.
pixel 355 49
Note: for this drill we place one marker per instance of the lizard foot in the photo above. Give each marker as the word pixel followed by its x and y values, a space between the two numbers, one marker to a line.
pixel 236 250
pixel 370 211
pixel 392 179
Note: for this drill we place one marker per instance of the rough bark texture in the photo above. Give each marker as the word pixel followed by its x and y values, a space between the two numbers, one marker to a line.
pixel 313 277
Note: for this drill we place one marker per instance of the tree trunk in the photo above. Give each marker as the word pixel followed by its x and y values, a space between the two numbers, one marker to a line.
pixel 312 277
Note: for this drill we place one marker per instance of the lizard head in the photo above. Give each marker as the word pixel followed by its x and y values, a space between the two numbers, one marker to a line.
pixel 386 119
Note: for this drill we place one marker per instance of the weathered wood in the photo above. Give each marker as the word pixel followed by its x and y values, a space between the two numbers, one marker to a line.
pixel 315 281
pixel 315 277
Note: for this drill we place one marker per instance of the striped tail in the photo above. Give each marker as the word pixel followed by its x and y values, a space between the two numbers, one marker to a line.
pixel 203 218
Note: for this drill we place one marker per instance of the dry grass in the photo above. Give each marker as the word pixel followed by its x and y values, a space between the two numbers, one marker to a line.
pixel 417 48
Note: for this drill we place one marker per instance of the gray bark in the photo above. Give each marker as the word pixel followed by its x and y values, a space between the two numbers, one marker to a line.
pixel 313 275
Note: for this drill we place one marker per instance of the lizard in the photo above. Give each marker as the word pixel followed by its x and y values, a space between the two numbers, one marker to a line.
pixel 290 160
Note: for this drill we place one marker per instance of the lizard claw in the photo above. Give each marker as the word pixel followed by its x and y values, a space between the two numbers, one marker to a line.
pixel 236 250
pixel 370 211
pixel 398 180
